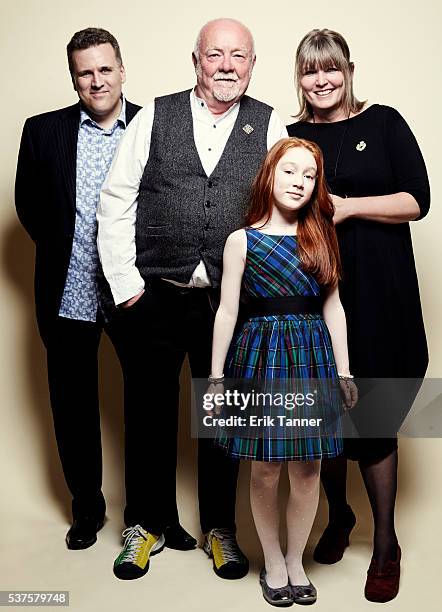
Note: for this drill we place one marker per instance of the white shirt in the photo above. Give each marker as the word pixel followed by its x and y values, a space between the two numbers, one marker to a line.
pixel 117 209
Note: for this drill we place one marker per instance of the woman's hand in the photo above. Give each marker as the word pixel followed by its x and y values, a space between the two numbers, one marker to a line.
pixel 342 209
pixel 349 393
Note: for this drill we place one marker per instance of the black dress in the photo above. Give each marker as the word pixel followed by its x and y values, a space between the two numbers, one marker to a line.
pixel 373 154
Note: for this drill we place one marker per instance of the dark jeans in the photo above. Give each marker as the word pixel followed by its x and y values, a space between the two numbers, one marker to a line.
pixel 157 332
pixel 72 354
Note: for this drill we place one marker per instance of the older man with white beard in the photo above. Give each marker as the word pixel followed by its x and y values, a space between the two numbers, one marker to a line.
pixel 179 185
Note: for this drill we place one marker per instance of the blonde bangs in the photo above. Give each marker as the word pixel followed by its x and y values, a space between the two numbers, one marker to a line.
pixel 320 57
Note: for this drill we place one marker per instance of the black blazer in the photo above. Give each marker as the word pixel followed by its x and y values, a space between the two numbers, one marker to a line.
pixel 45 200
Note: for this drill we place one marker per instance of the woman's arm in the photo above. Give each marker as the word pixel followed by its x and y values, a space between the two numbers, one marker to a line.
pixel 234 259
pixel 394 208
pixel 410 197
pixel 334 318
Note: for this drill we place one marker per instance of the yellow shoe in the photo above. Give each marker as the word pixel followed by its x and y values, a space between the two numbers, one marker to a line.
pixel 139 545
pixel 228 560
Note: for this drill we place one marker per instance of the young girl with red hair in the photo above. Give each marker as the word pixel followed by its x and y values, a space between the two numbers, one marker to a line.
pixel 286 263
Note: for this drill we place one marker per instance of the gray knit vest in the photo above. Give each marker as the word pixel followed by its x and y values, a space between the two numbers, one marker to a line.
pixel 184 215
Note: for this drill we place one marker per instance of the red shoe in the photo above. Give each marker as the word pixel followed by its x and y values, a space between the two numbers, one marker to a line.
pixel 383 585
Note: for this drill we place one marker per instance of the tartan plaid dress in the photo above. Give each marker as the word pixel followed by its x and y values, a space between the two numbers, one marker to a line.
pixel 290 346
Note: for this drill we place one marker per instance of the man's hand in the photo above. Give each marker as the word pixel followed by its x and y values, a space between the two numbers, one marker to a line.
pixel 133 300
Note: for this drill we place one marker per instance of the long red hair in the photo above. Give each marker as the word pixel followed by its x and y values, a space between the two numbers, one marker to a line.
pixel 317 241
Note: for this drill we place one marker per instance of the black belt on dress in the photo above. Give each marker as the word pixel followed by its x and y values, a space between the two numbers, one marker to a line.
pixel 294 304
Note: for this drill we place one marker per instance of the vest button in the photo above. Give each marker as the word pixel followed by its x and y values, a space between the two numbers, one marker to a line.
pixel 206 227
pixel 210 184
pixel 208 204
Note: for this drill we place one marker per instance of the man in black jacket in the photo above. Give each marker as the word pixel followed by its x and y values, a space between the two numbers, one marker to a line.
pixel 63 160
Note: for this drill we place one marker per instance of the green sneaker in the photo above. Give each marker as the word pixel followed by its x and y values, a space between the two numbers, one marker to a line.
pixel 133 560
pixel 228 559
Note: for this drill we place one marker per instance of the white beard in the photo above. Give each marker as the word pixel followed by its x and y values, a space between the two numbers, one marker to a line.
pixel 223 94
pixel 219 92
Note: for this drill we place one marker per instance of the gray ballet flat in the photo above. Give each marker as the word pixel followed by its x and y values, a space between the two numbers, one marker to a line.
pixel 304 594
pixel 281 597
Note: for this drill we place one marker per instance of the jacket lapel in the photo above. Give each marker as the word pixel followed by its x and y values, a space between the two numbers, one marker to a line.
pixel 67 136
pixel 66 146
pixel 131 111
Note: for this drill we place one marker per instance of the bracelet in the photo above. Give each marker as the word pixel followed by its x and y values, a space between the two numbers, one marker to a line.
pixel 215 380
pixel 345 376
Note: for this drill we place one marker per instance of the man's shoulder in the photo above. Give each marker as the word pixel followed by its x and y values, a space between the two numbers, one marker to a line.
pixel 174 97
pixel 185 95
pixel 253 102
pixel 43 120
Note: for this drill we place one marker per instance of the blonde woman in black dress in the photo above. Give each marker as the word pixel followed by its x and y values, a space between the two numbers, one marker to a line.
pixel 379 183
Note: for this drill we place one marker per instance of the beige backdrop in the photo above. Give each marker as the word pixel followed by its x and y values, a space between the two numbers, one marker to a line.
pixel 396 49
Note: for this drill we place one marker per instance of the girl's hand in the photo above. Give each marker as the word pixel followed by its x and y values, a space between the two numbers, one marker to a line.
pixel 349 393
pixel 212 390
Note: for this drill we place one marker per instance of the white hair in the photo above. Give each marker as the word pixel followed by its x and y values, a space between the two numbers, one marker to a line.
pixel 196 49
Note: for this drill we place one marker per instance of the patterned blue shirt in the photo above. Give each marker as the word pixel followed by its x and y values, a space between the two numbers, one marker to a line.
pixel 95 151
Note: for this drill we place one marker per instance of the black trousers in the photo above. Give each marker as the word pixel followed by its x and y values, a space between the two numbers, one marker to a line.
pixel 157 332
pixel 72 356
